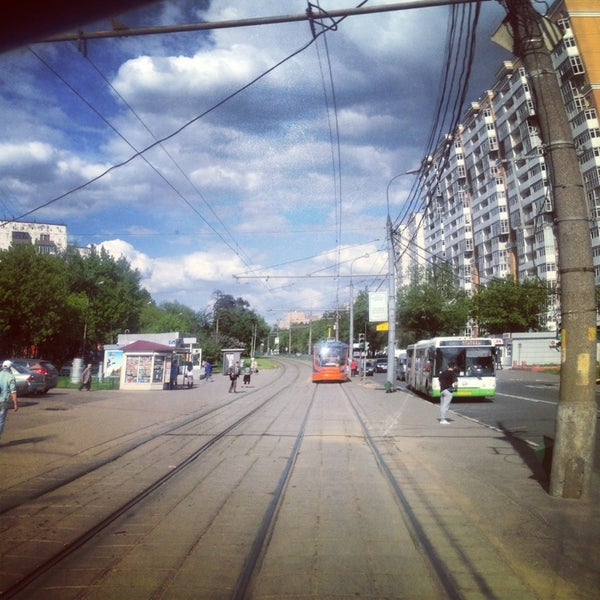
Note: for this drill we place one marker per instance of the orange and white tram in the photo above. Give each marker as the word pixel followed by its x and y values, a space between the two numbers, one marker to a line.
pixel 330 361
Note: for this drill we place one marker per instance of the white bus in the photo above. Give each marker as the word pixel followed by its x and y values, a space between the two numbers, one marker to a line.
pixel 474 359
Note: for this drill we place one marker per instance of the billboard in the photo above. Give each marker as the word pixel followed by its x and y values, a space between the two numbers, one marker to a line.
pixel 378 306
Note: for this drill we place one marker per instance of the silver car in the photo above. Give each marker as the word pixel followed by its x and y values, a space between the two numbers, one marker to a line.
pixel 28 382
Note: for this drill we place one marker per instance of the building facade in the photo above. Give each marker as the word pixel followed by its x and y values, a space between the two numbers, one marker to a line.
pixel 487 194
pixel 48 239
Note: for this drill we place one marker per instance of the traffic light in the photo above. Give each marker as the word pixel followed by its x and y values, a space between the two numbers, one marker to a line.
pixel 361 341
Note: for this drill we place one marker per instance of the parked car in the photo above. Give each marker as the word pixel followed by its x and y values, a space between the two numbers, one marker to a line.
pixel 369 368
pixel 65 370
pixel 43 367
pixel 28 382
pixel 381 365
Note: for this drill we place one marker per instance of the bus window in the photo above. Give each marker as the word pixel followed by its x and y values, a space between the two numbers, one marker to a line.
pixel 479 362
pixel 448 355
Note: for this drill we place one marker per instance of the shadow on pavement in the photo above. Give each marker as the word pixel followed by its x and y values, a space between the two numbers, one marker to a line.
pixel 32 440
pixel 539 469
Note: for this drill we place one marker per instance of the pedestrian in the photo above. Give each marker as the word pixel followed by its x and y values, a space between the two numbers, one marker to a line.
pixel 448 384
pixel 234 373
pixel 353 368
pixel 247 374
pixel 207 371
pixel 189 373
pixel 8 392
pixel 173 376
pixel 86 378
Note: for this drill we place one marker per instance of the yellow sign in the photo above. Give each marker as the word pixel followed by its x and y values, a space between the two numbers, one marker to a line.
pixel 382 327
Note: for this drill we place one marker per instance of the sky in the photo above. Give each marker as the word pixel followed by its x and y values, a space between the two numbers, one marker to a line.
pixel 267 165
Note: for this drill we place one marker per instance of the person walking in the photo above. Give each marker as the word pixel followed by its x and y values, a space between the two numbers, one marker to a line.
pixel 448 384
pixel 86 378
pixel 207 371
pixel 8 392
pixel 234 373
pixel 247 375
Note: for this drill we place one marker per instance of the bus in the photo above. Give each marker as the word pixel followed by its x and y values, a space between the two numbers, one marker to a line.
pixel 330 361
pixel 474 359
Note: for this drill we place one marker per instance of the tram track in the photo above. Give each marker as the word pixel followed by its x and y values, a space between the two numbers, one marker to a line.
pixel 446 582
pixel 73 545
pixel 309 483
pixel 35 491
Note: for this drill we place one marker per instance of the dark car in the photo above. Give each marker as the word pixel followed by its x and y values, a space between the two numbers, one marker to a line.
pixel 28 382
pixel 66 369
pixel 381 365
pixel 369 368
pixel 42 367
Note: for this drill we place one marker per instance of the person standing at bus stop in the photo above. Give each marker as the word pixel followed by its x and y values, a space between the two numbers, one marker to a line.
pixel 8 392
pixel 448 384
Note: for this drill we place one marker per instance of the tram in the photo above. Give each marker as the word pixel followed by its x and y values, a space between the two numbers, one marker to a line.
pixel 330 361
pixel 474 359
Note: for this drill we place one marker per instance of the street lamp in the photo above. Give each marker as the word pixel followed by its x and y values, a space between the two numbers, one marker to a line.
pixel 351 343
pixel 85 323
pixel 391 349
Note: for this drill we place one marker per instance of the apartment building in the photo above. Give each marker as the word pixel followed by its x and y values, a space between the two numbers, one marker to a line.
pixel 47 238
pixel 487 195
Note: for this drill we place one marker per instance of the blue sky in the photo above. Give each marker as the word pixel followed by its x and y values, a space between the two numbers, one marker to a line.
pixel 271 182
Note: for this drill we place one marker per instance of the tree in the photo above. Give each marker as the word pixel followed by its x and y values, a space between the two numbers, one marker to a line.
pixel 432 305
pixel 235 324
pixel 508 306
pixel 34 302
pixel 107 297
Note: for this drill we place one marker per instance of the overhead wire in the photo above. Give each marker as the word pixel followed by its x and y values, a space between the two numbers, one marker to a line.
pixel 121 136
pixel 172 159
pixel 160 141
pixel 460 56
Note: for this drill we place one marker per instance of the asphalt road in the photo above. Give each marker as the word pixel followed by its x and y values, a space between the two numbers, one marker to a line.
pixel 524 406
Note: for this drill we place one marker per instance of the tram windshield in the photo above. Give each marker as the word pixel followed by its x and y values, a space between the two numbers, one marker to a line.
pixel 330 356
pixel 470 362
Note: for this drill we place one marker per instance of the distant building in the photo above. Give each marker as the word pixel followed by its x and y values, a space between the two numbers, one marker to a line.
pixel 295 317
pixel 47 239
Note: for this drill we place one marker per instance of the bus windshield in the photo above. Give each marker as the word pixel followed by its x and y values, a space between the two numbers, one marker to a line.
pixel 470 362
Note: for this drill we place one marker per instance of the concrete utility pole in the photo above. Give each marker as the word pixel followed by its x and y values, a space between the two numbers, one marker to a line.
pixel 576 414
pixel 391 349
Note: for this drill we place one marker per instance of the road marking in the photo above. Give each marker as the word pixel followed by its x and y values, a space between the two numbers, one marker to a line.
pixel 528 399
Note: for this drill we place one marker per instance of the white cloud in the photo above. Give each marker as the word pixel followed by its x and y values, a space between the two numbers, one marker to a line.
pixel 257 181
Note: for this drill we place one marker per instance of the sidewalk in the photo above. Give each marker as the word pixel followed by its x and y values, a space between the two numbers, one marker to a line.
pixel 482 493
pixel 498 487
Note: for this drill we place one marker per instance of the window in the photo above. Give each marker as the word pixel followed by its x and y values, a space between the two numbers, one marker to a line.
pixel 576 65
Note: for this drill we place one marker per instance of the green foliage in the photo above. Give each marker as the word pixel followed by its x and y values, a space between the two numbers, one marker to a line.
pixel 432 305
pixel 236 325
pixel 59 307
pixel 508 306
pixel 34 302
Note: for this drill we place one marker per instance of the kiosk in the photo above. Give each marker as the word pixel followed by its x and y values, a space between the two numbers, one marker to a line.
pixel 146 366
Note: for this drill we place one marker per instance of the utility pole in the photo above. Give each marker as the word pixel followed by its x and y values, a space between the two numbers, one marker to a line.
pixel 391 349
pixel 576 413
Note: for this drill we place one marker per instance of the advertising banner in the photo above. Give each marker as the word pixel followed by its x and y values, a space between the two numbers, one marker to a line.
pixel 378 306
